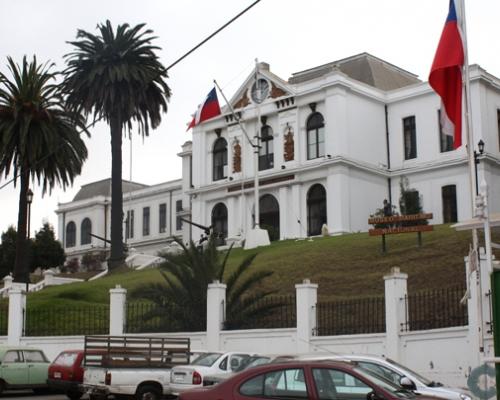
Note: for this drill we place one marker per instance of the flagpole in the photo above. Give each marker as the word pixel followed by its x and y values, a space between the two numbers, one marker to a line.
pixel 256 149
pixel 472 171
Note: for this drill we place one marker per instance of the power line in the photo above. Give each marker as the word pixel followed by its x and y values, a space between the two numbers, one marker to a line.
pixel 213 34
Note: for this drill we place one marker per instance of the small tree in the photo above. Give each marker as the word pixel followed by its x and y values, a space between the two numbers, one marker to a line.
pixel 410 202
pixel 47 251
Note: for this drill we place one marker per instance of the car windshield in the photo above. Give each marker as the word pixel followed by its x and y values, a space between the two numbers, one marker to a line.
pixel 251 362
pixel 385 384
pixel 425 381
pixel 65 359
pixel 206 360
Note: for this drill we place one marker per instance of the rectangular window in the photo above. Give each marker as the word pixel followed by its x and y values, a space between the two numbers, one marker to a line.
pixel 446 141
pixel 145 221
pixel 449 199
pixel 163 218
pixel 178 221
pixel 129 224
pixel 498 120
pixel 410 137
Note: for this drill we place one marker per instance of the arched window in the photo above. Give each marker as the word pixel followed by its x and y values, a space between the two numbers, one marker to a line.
pixel 220 159
pixel 85 231
pixel 219 222
pixel 316 209
pixel 269 216
pixel 70 234
pixel 315 136
pixel 266 151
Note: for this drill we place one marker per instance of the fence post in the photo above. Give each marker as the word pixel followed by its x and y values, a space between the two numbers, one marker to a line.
pixel 395 310
pixel 307 297
pixel 216 314
pixel 48 276
pixel 117 302
pixel 17 308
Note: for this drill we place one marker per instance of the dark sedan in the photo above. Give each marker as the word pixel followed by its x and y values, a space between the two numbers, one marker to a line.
pixel 313 380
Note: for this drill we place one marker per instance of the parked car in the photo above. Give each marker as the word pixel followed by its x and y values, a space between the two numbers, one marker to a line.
pixel 66 373
pixel 402 376
pixel 250 362
pixel 313 380
pixel 190 376
pixel 23 368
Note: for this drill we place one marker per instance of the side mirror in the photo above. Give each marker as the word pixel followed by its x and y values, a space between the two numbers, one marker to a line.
pixel 373 396
pixel 407 383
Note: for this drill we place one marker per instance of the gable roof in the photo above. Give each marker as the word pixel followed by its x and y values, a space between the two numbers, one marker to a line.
pixel 103 188
pixel 364 68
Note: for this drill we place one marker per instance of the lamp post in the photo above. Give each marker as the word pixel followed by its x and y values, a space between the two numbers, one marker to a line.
pixel 480 146
pixel 29 200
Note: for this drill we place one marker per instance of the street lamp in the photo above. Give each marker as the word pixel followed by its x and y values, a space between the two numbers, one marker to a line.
pixel 29 200
pixel 480 146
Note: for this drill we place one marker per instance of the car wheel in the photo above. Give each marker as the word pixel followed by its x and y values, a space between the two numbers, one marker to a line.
pixel 2 387
pixel 148 392
pixel 74 395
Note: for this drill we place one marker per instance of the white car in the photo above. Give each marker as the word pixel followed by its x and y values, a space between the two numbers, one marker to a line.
pixel 402 376
pixel 186 377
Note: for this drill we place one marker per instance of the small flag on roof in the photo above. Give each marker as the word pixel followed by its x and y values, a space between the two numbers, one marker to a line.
pixel 446 76
pixel 208 109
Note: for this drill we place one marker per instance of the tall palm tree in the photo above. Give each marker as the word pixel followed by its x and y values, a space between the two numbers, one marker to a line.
pixel 118 77
pixel 39 139
pixel 182 296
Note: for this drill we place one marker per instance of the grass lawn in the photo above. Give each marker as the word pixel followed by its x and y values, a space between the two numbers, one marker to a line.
pixel 347 266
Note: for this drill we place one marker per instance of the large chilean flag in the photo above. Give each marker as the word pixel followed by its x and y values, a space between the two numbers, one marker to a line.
pixel 446 76
pixel 208 109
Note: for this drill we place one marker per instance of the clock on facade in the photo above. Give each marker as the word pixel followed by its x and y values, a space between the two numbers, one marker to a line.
pixel 260 90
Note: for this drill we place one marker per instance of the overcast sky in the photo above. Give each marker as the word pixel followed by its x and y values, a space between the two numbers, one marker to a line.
pixel 290 35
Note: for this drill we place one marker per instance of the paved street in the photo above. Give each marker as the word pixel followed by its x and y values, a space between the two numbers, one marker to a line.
pixel 29 395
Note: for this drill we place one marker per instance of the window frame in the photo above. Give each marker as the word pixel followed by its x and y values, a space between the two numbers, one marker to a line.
pixel 219 159
pixel 266 150
pixel 83 232
pixel 409 137
pixel 70 234
pixel 162 218
pixel 129 225
pixel 445 141
pixel 146 221
pixel 316 129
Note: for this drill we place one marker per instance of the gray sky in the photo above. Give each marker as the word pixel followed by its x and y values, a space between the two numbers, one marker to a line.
pixel 290 35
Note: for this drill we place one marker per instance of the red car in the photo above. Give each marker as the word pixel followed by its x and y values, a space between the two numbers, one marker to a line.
pixel 66 373
pixel 313 380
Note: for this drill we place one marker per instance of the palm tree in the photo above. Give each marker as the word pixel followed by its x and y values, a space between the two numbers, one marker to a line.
pixel 181 299
pixel 116 76
pixel 39 139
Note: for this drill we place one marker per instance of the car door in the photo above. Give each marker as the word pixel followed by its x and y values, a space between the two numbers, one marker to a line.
pixel 286 383
pixel 38 366
pixel 339 385
pixel 14 370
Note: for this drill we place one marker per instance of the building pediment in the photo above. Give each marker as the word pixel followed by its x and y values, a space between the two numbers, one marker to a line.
pixel 260 87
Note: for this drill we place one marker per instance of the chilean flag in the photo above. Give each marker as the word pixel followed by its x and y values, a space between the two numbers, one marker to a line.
pixel 446 76
pixel 208 109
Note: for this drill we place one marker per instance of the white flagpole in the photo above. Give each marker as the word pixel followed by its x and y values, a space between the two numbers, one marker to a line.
pixel 256 149
pixel 472 162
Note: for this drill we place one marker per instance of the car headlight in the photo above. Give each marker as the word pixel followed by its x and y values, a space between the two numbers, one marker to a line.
pixel 464 397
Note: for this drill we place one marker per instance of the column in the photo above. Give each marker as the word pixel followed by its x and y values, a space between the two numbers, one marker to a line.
pixel 117 303
pixel 17 308
pixel 395 311
pixel 337 199
pixel 307 297
pixel 216 314
pixel 285 214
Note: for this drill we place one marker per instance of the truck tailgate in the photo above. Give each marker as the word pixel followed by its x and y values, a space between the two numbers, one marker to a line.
pixel 94 376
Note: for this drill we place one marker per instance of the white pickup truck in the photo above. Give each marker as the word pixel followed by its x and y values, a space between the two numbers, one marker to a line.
pixel 125 366
pixel 191 376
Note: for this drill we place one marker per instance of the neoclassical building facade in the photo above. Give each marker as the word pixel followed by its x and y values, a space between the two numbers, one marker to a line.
pixel 335 141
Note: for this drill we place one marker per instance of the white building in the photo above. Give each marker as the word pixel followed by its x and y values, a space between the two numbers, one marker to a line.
pixel 335 142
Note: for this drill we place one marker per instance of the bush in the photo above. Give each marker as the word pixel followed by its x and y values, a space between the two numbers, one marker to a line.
pixel 71 266
pixel 93 261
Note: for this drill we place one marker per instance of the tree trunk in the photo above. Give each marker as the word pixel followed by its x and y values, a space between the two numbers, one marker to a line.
pixel 21 268
pixel 117 257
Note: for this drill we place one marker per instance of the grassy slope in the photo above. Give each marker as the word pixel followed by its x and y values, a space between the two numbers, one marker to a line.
pixel 343 266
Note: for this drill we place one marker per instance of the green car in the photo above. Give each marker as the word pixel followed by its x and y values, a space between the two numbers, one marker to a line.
pixel 23 368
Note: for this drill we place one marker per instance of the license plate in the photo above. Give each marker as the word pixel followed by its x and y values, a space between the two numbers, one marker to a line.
pixel 57 375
